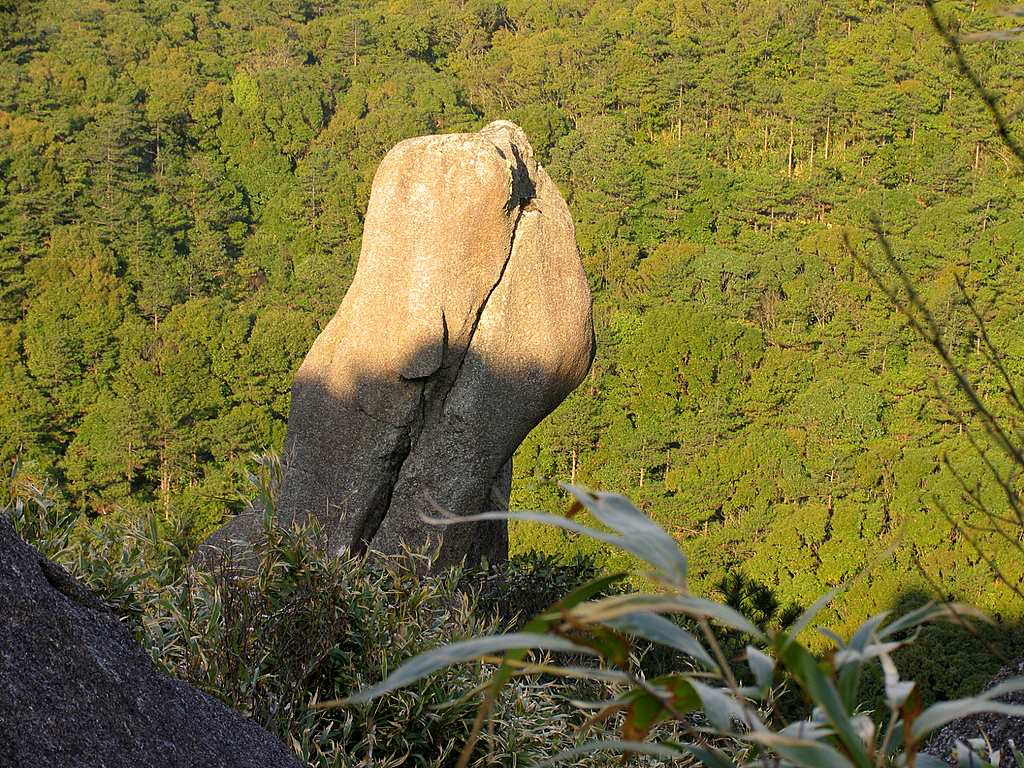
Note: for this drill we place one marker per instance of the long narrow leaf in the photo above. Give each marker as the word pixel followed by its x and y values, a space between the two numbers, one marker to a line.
pixel 850 654
pixel 456 653
pixel 801 752
pixel 933 612
pixel 587 591
pixel 804 667
pixel 924 760
pixel 536 517
pixel 652 554
pixel 866 631
pixel 723 710
pixel 763 667
pixel 851 665
pixel 723 614
pixel 539 625
pixel 616 745
pixel 945 712
pixel 608 608
pixel 640 534
pixel 1012 685
pixel 809 615
pixel 658 629
pixel 709 756
pixel 806 730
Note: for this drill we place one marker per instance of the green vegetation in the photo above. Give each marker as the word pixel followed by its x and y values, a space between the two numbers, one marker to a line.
pixel 304 628
pixel 719 716
pixel 181 191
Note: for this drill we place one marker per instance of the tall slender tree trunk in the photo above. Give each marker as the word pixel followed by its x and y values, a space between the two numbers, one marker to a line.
pixel 789 159
pixel 165 479
pixel 679 117
pixel 130 466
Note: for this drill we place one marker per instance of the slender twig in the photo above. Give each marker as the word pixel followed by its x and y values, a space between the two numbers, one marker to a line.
pixel 922 321
pixel 958 619
pixel 929 330
pixel 972 495
pixel 1012 497
pixel 977 547
pixel 992 353
pixel 990 101
pixel 1009 492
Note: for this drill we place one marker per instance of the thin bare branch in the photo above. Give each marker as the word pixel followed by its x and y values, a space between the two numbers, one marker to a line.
pixel 990 101
pixel 992 354
pixel 957 617
pixel 1012 497
pixel 981 552
pixel 973 496
pixel 914 309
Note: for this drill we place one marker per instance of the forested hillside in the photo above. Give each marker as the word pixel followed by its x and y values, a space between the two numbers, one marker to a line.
pixel 183 183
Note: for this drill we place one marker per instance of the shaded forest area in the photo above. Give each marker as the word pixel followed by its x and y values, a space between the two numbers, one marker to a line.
pixel 183 185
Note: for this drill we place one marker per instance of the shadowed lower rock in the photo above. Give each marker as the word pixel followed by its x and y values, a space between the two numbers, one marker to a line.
pixel 467 322
pixel 77 691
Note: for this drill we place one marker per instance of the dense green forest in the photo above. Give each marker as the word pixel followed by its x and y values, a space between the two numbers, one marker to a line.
pixel 183 184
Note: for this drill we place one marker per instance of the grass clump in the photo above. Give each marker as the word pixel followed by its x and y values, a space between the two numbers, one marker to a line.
pixel 300 628
pixel 297 641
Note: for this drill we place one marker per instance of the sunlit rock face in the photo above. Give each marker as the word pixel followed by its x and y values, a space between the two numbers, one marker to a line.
pixel 468 321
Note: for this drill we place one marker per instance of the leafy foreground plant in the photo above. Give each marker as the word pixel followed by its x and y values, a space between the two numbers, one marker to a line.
pixel 726 720
pixel 301 627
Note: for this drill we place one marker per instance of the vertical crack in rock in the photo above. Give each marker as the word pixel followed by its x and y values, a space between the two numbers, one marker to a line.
pixel 521 194
pixel 452 380
pixel 378 508
pixel 379 504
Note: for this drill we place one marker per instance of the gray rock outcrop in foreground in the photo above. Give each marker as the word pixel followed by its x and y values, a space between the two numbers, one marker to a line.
pixel 77 691
pixel 468 321
pixel 999 729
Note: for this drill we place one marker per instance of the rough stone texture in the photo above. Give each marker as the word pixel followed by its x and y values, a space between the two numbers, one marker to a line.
pixel 999 729
pixel 467 322
pixel 77 691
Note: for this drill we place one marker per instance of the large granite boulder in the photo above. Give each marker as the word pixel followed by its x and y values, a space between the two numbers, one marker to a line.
pixel 467 322
pixel 77 691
